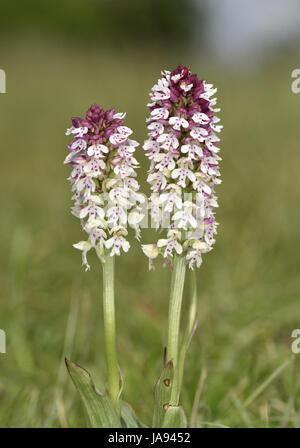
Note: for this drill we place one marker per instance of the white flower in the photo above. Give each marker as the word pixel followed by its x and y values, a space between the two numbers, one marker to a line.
pixel 77 132
pixel 182 174
pixel 160 91
pixel 76 173
pixel 152 148
pixel 121 135
pixel 157 180
pixel 125 153
pixel 117 215
pixel 155 128
pixel 93 167
pixel 194 257
pixel 79 145
pixel 71 157
pixel 97 150
pixel 164 161
pixel 210 142
pixel 177 123
pixel 170 244
pixel 175 78
pixel 168 141
pixel 186 87
pixel 164 94
pixel 92 210
pixel 184 218
pixel 151 251
pixel 84 246
pixel 116 243
pixel 85 183
pixel 194 151
pixel 209 91
pixel 200 117
pixel 69 131
pixel 171 201
pixel 80 132
pixel 123 169
pixel 120 115
pixel 202 187
pixel 119 195
pixel 97 237
pixel 155 209
pixel 199 134
pixel 160 114
pixel 134 219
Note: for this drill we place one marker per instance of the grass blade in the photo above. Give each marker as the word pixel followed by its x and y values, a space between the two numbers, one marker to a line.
pixel 194 413
pixel 266 383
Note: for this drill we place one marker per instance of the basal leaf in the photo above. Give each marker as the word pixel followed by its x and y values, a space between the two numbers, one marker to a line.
pixel 163 394
pixel 129 418
pixel 98 407
pixel 175 418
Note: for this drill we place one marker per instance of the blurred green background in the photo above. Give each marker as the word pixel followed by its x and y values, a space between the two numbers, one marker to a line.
pixel 59 57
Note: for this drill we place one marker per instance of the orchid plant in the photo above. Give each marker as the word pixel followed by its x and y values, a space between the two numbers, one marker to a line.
pixel 181 148
pixel 105 192
pixel 183 174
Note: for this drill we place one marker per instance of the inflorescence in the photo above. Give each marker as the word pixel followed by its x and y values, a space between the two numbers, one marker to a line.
pixel 105 191
pixel 183 165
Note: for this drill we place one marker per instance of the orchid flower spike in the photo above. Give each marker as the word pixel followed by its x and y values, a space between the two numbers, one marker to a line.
pixel 105 191
pixel 181 147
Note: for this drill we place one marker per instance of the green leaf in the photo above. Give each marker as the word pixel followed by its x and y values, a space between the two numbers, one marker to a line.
pixel 175 418
pixel 129 418
pixel 163 394
pixel 98 407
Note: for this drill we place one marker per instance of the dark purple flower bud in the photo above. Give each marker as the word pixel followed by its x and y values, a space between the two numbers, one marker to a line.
pixel 204 104
pixel 76 122
pixel 109 114
pixel 94 113
pixel 108 132
pixel 175 95
pixel 86 123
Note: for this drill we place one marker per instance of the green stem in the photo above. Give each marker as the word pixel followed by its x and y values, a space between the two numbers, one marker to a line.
pixel 177 284
pixel 110 328
pixel 191 322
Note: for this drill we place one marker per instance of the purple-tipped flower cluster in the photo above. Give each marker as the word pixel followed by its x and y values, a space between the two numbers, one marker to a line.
pixel 184 165
pixel 103 174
